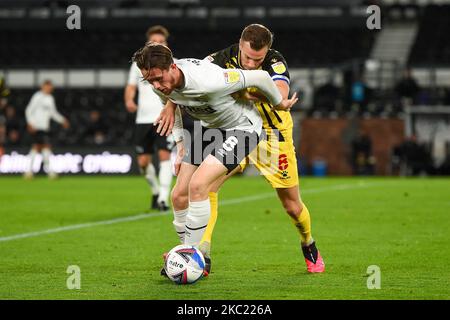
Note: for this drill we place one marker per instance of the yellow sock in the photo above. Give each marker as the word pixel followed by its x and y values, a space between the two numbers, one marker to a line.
pixel 205 243
pixel 303 224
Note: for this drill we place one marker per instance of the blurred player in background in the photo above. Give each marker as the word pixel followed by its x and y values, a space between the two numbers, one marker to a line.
pixel 40 110
pixel 146 139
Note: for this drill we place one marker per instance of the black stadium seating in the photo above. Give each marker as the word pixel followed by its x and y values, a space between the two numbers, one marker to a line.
pixel 112 48
pixel 432 45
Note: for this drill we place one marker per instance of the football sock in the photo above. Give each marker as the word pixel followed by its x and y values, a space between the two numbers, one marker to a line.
pixel 205 243
pixel 179 222
pixel 46 153
pixel 165 180
pixel 32 156
pixel 150 175
pixel 196 221
pixel 303 225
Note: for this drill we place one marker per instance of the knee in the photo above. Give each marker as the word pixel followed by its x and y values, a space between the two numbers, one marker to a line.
pixel 180 199
pixel 293 208
pixel 143 161
pixel 197 190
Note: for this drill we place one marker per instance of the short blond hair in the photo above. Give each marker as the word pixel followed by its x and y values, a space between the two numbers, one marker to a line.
pixel 258 35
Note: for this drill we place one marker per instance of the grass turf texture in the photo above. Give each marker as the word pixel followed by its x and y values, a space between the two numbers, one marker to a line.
pixel 401 225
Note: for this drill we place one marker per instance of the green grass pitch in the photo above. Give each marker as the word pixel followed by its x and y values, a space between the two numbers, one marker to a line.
pixel 400 225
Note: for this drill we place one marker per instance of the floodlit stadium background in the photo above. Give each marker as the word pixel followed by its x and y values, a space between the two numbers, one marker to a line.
pixel 357 116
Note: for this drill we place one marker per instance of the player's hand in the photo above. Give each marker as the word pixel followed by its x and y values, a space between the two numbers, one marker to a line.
pixel 131 106
pixel 165 120
pixel 66 124
pixel 31 129
pixel 286 104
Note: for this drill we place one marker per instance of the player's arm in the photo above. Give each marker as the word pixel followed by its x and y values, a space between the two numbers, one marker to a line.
pixel 134 76
pixel 29 110
pixel 178 135
pixel 283 87
pixel 129 96
pixel 278 71
pixel 261 80
pixel 58 117
pixel 253 94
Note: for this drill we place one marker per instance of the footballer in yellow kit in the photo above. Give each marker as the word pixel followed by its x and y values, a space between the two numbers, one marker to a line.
pixel 281 173
pixel 275 157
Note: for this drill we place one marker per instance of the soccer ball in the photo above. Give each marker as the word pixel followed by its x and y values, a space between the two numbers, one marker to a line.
pixel 184 264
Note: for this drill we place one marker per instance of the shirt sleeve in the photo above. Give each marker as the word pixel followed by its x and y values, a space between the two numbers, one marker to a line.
pixel 134 76
pixel 276 66
pixel 262 80
pixel 232 80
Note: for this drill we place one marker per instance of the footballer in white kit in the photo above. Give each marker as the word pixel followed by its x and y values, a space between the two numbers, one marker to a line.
pixel 238 126
pixel 39 112
pixel 204 91
pixel 146 140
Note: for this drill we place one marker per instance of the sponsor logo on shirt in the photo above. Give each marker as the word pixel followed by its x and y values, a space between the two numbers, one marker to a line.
pixel 279 67
pixel 199 110
pixel 232 76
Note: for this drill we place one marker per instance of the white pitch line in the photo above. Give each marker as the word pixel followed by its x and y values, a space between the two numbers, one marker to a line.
pixel 159 214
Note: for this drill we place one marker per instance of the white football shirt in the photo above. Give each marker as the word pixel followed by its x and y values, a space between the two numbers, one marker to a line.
pixel 207 90
pixel 149 103
pixel 40 110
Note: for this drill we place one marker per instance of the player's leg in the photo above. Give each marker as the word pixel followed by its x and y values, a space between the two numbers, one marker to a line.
pixel 226 158
pixel 143 147
pixel 46 154
pixel 34 151
pixel 290 199
pixel 180 198
pixel 276 160
pixel 300 216
pixel 213 195
pixel 147 168
pixel 205 243
pixel 164 146
pixel 208 172
pixel 180 202
pixel 39 139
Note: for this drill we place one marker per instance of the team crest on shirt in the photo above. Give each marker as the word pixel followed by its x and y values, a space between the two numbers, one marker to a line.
pixel 232 76
pixel 279 67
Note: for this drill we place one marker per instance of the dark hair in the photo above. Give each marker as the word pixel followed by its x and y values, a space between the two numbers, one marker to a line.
pixel 153 55
pixel 47 82
pixel 158 29
pixel 258 36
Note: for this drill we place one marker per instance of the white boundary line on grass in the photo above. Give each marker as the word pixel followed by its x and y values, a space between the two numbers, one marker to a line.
pixel 158 214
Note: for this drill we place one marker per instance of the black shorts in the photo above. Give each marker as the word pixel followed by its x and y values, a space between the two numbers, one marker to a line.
pixel 230 147
pixel 146 139
pixel 40 137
